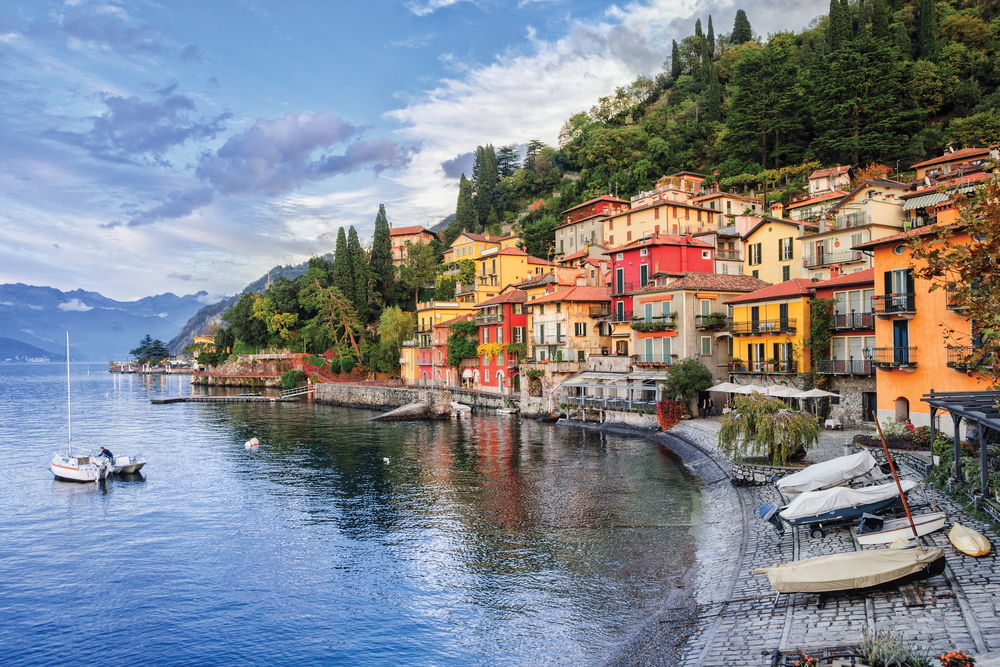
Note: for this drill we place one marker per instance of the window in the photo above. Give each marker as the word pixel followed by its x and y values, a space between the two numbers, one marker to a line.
pixel 643 252
pixel 785 249
pixel 559 334
pixel 518 334
pixel 486 335
pixel 786 272
pixel 499 335
pixel 562 248
pixel 705 305
pixel 647 312
pixel 755 273
pixel 643 274
pixel 518 308
pixel 579 329
pixel 581 355
pixel 541 334
pixel 706 346
pixel 754 254
pixel 620 256
pixel 706 254
pixel 665 308
pixel 541 309
pixel 558 307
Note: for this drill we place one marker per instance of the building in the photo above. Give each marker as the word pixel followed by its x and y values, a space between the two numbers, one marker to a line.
pixel 470 246
pixel 503 341
pixel 829 180
pixel 931 171
pixel 495 269
pixel 728 244
pixel 570 324
pixel 583 224
pixel 771 249
pixel 811 208
pixel 666 209
pixel 730 205
pixel 405 236
pixel 769 329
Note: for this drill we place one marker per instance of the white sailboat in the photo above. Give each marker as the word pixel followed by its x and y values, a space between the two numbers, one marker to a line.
pixel 72 466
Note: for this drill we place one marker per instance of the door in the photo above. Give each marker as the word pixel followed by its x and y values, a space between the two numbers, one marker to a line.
pixel 901 342
pixel 755 319
pixel 783 316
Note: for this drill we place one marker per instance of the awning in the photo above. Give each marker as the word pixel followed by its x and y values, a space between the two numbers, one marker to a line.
pixel 467 373
pixel 647 376
pixel 592 379
pixel 924 201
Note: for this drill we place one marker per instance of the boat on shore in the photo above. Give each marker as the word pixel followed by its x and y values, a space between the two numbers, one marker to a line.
pixel 841 471
pixel 968 541
pixel 855 570
pixel 877 530
pixel 834 507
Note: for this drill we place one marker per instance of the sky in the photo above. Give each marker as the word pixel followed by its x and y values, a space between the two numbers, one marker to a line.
pixel 150 147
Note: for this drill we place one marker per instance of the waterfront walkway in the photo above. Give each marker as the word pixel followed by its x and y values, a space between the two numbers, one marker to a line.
pixel 958 610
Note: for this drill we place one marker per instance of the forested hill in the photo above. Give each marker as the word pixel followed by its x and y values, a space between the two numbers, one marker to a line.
pixel 887 81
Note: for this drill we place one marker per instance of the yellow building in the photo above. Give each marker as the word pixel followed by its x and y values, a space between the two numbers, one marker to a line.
pixel 666 209
pixel 771 249
pixel 472 246
pixel 569 325
pixel 769 328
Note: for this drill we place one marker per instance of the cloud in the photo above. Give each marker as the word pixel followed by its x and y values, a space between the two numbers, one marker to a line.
pixel 131 127
pixel 179 276
pixel 275 156
pixel 458 165
pixel 74 305
pixel 191 52
pixel 429 6
pixel 178 205
pixel 106 29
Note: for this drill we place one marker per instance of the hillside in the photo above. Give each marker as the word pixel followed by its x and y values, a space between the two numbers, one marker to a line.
pixel 14 351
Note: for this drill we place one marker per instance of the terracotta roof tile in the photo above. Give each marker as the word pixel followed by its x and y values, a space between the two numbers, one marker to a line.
pixel 964 153
pixel 716 281
pixel 832 171
pixel 607 198
pixel 510 296
pixel 858 277
pixel 824 196
pixel 659 239
pixel 407 231
pixel 576 293
pixel 793 287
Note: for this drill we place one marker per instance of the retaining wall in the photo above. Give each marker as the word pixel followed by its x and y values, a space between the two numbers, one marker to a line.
pixel 361 396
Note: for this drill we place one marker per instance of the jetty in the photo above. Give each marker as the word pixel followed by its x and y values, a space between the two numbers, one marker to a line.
pixel 286 396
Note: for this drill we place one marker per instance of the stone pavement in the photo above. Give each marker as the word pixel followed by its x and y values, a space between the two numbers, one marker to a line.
pixel 958 610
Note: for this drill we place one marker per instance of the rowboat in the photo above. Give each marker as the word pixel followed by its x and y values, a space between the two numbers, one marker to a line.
pixel 855 570
pixel 876 530
pixel 841 471
pixel 834 507
pixel 968 541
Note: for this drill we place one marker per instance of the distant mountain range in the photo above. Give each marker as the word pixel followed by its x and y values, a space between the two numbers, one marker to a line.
pixel 14 351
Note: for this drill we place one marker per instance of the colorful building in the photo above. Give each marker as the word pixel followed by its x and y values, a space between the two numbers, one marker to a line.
pixel 583 224
pixel 769 328
pixel 946 166
pixel 402 237
pixel 772 251
pixel 503 341
pixel 470 246
pixel 570 325
pixel 496 269
pixel 666 209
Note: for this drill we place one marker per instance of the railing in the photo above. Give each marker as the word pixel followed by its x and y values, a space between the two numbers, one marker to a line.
pixel 626 316
pixel 600 311
pixel 712 322
pixel 839 257
pixel 464 289
pixel 488 281
pixel 488 319
pixel 786 366
pixel 623 288
pixel 894 304
pixel 785 325
pixel 844 366
pixel 850 221
pixel 617 404
pixel 729 254
pixel 963 357
pixel 644 326
pixel 951 303
pixel 891 356
pixel 653 359
pixel 853 321
pixel 548 340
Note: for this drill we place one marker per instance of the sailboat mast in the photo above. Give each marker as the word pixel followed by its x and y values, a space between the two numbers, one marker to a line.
pixel 895 475
pixel 69 406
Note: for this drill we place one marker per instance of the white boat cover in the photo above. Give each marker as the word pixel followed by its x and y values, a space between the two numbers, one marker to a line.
pixel 812 503
pixel 847 571
pixel 828 473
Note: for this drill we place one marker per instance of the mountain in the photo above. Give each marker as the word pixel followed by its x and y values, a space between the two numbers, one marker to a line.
pixel 14 351
pixel 101 328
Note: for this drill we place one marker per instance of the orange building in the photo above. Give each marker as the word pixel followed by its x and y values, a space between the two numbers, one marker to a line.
pixel 402 237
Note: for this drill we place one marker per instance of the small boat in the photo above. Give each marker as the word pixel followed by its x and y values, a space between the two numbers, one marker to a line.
pixel 841 471
pixel 507 411
pixel 459 407
pixel 968 541
pixel 855 570
pixel 69 465
pixel 833 507
pixel 876 530
pixel 123 464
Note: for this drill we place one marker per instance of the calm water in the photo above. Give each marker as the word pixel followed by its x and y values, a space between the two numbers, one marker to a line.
pixel 486 542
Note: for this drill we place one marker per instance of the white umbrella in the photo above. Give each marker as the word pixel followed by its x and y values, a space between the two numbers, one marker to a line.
pixel 749 389
pixel 728 387
pixel 815 393
pixel 784 391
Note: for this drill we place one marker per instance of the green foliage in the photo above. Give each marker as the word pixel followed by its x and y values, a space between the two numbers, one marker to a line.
pixel 444 288
pixel 347 363
pixel 539 235
pixel 382 269
pixel 762 426
pixel 150 351
pixel 884 648
pixel 292 378
pixel 687 379
pixel 335 365
pixel 462 342
pixel 419 268
pixel 820 328
pixel 519 350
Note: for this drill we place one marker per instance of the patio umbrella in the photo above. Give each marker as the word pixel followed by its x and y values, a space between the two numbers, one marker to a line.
pixel 784 391
pixel 749 389
pixel 816 393
pixel 728 387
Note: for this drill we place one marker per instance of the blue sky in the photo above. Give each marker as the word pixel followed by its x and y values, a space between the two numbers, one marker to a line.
pixel 150 147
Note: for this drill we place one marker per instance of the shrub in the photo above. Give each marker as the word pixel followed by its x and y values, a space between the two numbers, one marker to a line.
pixel 669 413
pixel 335 365
pixel 882 648
pixel 766 426
pixel 318 362
pixel 293 378
pixel 347 364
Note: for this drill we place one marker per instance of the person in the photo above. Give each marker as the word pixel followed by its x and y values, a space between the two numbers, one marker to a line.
pixel 709 406
pixel 909 426
pixel 106 453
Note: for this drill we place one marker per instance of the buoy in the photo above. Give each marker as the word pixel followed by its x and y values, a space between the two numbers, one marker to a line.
pixel 252 443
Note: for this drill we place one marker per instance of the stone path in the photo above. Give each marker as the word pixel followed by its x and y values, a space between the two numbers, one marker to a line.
pixel 959 610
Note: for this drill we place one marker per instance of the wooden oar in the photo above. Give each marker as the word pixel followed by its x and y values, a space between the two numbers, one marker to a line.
pixel 895 476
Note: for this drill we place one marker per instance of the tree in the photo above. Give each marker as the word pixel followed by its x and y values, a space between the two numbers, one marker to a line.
pixel 508 161
pixel 246 328
pixel 343 276
pixel 462 341
pixel 880 21
pixel 838 29
pixel 927 41
pixel 418 269
pixel 465 213
pixel 484 181
pixel 360 276
pixel 687 379
pixel 965 259
pixel 150 351
pixel 742 32
pixel 710 40
pixel 335 322
pixel 531 151
pixel 765 426
pixel 395 326
pixel 675 61
pixel 539 236
pixel 382 269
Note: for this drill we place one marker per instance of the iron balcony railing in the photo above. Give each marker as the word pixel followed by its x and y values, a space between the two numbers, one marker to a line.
pixel 891 356
pixel 844 366
pixel 785 366
pixel 894 304
pixel 623 316
pixel 623 287
pixel 827 258
pixel 853 321
pixel 713 322
pixel 964 357
pixel 850 221
pixel 482 320
pixel 601 403
pixel 951 303
pixel 600 311
pixel 653 359
pixel 729 254
pixel 752 328
pixel 549 339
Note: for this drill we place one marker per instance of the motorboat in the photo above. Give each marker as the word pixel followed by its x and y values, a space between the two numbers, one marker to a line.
pixel 123 464
pixel 69 465
pixel 841 471
pixel 838 506
pixel 877 530
pixel 855 570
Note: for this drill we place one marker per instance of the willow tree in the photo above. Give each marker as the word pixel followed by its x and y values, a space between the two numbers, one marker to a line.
pixel 762 426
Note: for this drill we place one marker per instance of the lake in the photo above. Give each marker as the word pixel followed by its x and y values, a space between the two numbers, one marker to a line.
pixel 485 541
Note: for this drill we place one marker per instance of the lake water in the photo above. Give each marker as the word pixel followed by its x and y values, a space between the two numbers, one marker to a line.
pixel 489 541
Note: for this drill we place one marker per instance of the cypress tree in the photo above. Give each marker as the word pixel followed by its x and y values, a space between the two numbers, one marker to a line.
pixel 484 181
pixel 713 92
pixel 927 31
pixel 343 276
pixel 838 29
pixel 880 20
pixel 383 271
pixel 711 39
pixel 675 61
pixel 465 213
pixel 742 32
pixel 360 274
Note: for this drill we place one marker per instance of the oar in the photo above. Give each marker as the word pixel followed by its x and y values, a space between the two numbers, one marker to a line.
pixel 895 476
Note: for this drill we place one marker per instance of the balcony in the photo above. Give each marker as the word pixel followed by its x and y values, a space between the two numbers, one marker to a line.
pixel 600 311
pixel 780 326
pixel 844 367
pixel 608 403
pixel 652 326
pixel 842 222
pixel 892 357
pixel 711 322
pixel 733 255
pixel 464 289
pixel 951 302
pixel 491 280
pixel 964 357
pixel 786 366
pixel 625 316
pixel 549 340
pixel 653 359
pixel 887 305
pixel 847 321
pixel 483 320
pixel 829 258
pixel 623 287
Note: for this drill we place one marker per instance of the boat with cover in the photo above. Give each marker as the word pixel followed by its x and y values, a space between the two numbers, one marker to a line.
pixel 968 541
pixel 70 465
pixel 834 507
pixel 841 471
pixel 855 570
pixel 877 530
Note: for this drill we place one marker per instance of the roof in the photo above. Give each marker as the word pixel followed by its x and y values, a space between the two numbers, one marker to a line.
pixel 539 260
pixel 406 231
pixel 823 196
pixel 905 236
pixel 856 278
pixel 576 293
pixel 487 238
pixel 506 251
pixel 510 296
pixel 467 316
pixel 730 195
pixel 576 255
pixel 831 171
pixel 964 153
pixel 716 282
pixel 789 288
pixel 659 239
pixel 782 221
pixel 871 183
pixel 607 198
pixel 661 202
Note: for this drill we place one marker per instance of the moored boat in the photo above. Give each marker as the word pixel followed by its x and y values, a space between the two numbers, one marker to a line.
pixel 834 507
pixel 840 471
pixel 877 530
pixel 968 541
pixel 855 570
pixel 124 464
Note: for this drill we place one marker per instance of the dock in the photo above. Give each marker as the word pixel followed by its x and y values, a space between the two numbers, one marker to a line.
pixel 286 396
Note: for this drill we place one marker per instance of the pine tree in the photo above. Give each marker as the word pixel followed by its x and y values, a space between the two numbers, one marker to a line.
pixel 531 152
pixel 508 161
pixel 383 270
pixel 742 32
pixel 713 92
pixel 880 21
pixel 927 40
pixel 360 276
pixel 484 183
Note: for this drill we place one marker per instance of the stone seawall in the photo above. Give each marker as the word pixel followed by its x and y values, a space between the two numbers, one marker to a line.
pixel 362 396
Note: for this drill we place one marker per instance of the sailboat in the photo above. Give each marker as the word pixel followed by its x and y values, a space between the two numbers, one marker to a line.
pixel 70 465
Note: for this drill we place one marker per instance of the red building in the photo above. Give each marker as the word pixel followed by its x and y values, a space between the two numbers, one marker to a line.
pixel 633 265
pixel 503 336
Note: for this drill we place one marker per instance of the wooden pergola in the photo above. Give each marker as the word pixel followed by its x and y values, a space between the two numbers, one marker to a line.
pixel 981 412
